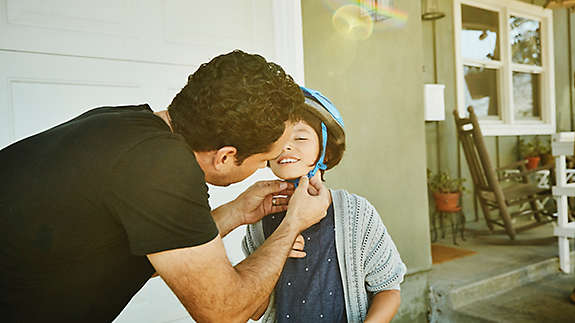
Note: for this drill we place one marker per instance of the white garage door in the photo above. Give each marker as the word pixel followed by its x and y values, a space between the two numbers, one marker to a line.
pixel 59 58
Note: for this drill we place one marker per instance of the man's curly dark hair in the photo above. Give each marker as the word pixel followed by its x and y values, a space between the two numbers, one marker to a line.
pixel 237 99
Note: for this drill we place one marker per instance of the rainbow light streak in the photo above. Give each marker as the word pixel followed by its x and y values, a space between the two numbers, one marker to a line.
pixel 384 11
pixel 396 17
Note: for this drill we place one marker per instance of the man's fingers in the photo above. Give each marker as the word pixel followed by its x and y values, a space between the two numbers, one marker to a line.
pixel 303 184
pixel 280 200
pixel 315 181
pixel 288 191
pixel 312 190
pixel 321 189
pixel 272 186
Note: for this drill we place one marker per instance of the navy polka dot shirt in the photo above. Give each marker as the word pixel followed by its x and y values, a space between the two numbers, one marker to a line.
pixel 310 289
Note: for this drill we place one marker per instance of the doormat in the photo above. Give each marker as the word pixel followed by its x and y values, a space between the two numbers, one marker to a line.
pixel 441 253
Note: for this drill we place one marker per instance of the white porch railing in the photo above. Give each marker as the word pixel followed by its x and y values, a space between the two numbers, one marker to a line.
pixel 563 145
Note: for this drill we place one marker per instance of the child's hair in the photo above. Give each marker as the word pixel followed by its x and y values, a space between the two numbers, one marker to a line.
pixel 335 148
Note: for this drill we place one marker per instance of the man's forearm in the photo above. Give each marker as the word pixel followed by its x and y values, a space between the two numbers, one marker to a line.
pixel 214 291
pixel 225 219
pixel 203 278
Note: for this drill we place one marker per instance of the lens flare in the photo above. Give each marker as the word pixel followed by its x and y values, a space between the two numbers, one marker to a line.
pixel 349 22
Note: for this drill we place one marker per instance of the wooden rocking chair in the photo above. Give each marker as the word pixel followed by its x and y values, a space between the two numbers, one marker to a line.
pixel 497 191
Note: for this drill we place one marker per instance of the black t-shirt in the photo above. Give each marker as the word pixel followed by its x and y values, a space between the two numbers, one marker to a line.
pixel 81 205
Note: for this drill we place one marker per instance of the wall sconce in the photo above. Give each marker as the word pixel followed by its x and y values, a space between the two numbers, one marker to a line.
pixel 431 10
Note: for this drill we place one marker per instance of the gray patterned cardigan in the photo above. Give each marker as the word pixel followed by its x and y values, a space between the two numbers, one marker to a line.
pixel 368 258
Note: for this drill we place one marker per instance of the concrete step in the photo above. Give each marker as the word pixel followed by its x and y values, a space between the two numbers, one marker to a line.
pixel 545 300
pixel 446 303
pixel 457 316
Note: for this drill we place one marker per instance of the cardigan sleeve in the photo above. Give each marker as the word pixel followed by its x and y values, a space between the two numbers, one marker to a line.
pixel 248 246
pixel 383 267
pixel 252 238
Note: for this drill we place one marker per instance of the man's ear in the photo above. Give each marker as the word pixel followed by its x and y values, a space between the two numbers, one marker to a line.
pixel 224 157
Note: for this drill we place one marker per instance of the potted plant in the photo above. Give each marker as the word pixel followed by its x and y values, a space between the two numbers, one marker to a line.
pixel 446 190
pixel 534 151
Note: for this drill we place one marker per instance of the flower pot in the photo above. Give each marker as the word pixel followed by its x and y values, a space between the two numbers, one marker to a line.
pixel 447 202
pixel 532 162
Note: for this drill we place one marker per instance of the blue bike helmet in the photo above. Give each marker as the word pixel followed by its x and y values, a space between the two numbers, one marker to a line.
pixel 331 123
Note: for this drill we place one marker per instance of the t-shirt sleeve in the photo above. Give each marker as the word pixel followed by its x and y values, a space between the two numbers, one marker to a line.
pixel 384 269
pixel 159 195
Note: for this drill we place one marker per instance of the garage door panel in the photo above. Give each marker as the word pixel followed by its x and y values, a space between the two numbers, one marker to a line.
pixel 99 17
pixel 39 91
pixel 213 20
pixel 52 103
pixel 167 31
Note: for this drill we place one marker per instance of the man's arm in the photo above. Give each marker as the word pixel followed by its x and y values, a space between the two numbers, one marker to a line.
pixel 252 205
pixel 383 307
pixel 212 290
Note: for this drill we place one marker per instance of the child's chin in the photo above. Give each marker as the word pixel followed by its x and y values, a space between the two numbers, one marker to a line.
pixel 289 176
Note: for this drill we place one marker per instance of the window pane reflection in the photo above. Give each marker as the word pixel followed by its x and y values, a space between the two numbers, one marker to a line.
pixel 481 86
pixel 480 33
pixel 526 95
pixel 525 40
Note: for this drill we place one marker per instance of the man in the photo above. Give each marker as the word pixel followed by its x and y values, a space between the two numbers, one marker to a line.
pixel 91 208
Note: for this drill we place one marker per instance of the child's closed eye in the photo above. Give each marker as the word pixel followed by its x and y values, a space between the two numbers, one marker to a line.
pixel 301 138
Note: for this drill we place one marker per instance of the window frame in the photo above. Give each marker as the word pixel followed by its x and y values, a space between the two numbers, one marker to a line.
pixel 506 124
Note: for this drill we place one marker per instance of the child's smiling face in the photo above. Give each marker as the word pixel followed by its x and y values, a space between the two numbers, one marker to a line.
pixel 299 154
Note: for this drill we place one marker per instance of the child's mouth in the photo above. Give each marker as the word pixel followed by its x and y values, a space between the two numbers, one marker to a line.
pixel 287 160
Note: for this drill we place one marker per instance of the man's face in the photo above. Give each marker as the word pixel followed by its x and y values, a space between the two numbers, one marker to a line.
pixel 255 162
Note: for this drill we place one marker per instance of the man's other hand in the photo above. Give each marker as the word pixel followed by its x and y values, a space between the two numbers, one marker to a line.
pixel 305 209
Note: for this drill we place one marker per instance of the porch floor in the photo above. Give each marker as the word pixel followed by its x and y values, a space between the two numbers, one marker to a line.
pixel 501 283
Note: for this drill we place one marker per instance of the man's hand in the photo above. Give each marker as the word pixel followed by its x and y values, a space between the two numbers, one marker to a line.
pixel 262 199
pixel 305 209
pixel 259 200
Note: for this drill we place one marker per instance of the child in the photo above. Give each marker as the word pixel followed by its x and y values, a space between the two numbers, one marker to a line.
pixel 351 270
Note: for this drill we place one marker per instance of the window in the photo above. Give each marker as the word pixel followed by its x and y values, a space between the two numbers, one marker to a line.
pixel 504 65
